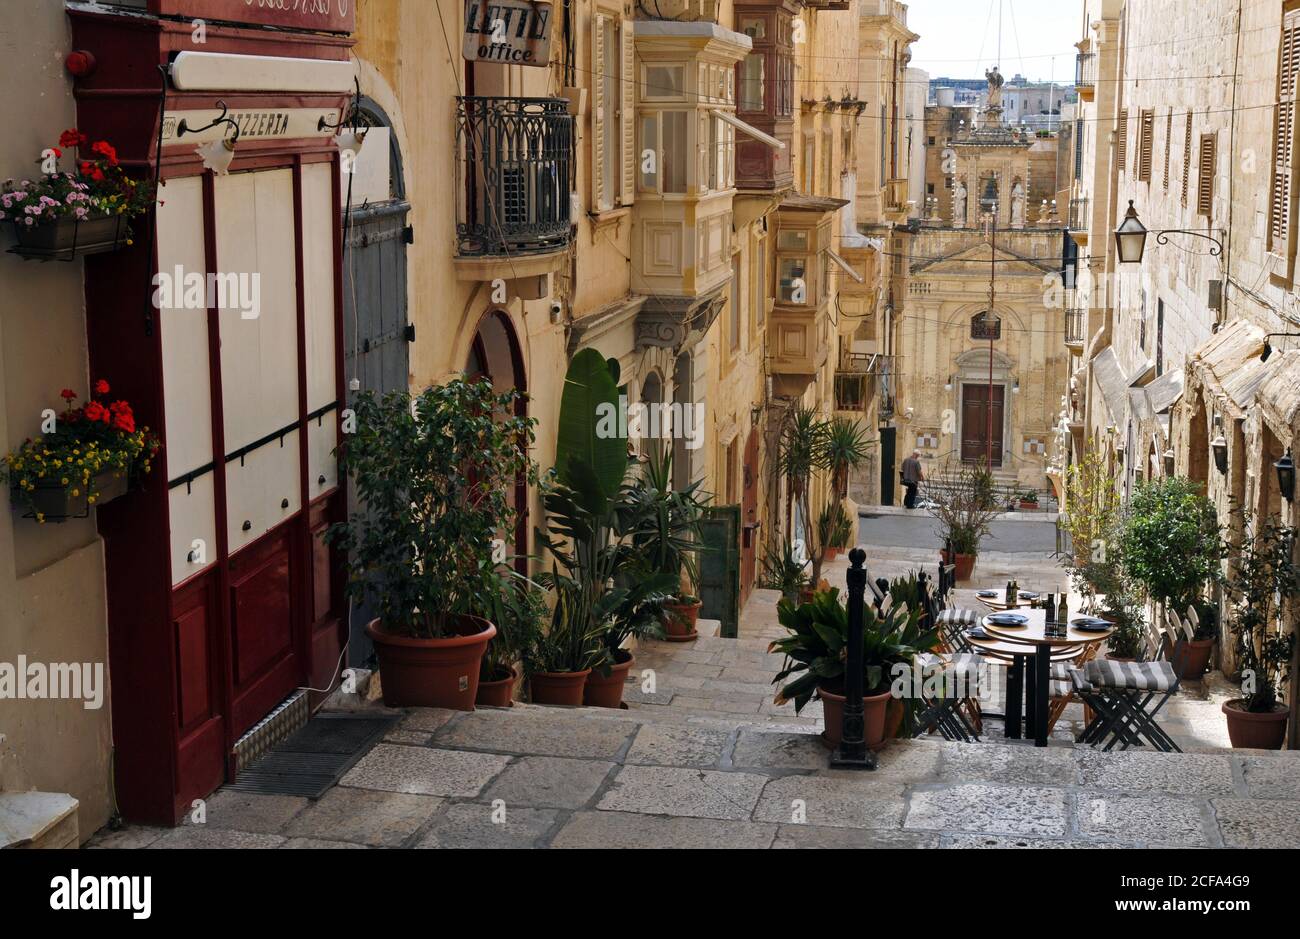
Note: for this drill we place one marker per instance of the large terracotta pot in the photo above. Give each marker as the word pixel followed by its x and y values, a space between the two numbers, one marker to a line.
pixel 1192 658
pixel 893 720
pixel 607 691
pixel 432 673
pixel 679 621
pixel 874 712
pixel 498 693
pixel 1249 731
pixel 832 553
pixel 965 566
pixel 562 688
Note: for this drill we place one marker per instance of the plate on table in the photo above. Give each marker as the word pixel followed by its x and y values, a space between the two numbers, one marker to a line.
pixel 989 594
pixel 1090 624
pixel 977 633
pixel 1029 595
pixel 1008 619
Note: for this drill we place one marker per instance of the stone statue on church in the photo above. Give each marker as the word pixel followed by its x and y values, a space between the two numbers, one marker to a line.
pixel 995 81
pixel 959 204
pixel 1018 205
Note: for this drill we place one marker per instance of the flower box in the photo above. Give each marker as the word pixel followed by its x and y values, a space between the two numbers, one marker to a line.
pixel 64 239
pixel 57 504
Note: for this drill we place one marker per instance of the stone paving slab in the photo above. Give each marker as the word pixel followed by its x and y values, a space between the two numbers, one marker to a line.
pixel 425 771
pixel 1258 823
pixel 1151 821
pixel 472 825
pixel 1009 765
pixel 1267 777
pixel 203 838
pixel 253 812
pixel 1190 774
pixel 531 732
pixel 631 831
pixel 809 836
pixel 364 816
pixel 1007 842
pixel 998 810
pixel 833 802
pixel 759 749
pixel 661 790
pixel 678 745
pixel 549 782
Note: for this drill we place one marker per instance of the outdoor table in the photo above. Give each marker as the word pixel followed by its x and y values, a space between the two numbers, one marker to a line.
pixel 1033 635
pixel 1015 654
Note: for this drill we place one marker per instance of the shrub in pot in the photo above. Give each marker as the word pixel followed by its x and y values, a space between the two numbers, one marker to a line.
pixel 815 658
pixel 1262 587
pixel 783 571
pixel 835 530
pixel 433 474
pixel 1170 541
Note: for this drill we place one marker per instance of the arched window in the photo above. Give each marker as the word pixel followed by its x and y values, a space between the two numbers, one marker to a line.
pixel 986 326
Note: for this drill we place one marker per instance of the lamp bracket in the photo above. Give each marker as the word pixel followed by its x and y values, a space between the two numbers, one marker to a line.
pixel 224 118
pixel 1216 246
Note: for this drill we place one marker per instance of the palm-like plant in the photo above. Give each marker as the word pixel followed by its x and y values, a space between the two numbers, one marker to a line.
pixel 816 651
pixel 664 523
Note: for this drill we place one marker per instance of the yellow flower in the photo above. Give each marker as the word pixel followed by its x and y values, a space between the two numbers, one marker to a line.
pixel 75 493
pixel 40 518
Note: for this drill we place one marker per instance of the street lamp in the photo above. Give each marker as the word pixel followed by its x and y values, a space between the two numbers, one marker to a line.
pixel 1268 346
pixel 1131 238
pixel 1286 476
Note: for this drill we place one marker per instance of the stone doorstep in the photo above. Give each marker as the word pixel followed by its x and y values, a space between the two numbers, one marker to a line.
pixel 38 820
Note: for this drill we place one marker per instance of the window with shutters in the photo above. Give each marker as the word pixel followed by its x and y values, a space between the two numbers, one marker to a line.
pixel 613 125
pixel 1205 184
pixel 1121 140
pixel 1145 134
pixel 1187 158
pixel 1169 146
pixel 1280 209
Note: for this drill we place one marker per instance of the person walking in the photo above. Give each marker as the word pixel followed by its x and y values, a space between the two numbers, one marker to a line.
pixel 913 476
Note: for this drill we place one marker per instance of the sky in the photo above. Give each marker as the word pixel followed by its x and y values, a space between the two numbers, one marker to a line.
pixel 953 33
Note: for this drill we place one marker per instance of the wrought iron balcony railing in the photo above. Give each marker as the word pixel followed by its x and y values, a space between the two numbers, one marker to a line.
pixel 516 165
pixel 1079 215
pixel 1076 325
pixel 852 392
pixel 1085 71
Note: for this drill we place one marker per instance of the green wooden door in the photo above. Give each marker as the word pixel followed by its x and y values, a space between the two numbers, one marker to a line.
pixel 720 568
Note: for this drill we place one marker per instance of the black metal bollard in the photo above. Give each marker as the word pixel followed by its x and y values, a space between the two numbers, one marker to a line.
pixel 852 752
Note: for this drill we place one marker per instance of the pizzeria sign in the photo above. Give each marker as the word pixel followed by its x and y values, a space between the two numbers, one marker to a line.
pixel 512 32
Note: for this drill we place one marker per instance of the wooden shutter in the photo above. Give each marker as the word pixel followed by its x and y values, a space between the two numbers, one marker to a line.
pixel 627 114
pixel 1146 132
pixel 1284 132
pixel 1205 185
pixel 1121 140
pixel 1169 145
pixel 1187 158
pixel 601 200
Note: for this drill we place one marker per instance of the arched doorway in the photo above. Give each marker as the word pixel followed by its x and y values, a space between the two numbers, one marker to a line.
pixel 495 354
pixel 653 424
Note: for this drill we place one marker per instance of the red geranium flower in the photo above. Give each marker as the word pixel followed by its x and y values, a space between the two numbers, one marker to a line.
pixel 71 138
pixel 97 412
pixel 67 394
pixel 105 149
pixel 101 388
pixel 57 152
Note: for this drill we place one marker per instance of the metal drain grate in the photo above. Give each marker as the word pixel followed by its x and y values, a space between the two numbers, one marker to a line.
pixel 314 758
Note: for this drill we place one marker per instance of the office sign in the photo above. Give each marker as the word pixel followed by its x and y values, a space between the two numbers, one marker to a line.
pixel 512 32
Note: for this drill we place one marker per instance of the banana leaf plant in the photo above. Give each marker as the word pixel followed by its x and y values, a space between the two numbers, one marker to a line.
pixel 816 651
pixel 602 592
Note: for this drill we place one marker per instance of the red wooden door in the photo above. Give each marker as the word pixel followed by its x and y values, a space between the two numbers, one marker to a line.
pixel 975 423
pixel 749 519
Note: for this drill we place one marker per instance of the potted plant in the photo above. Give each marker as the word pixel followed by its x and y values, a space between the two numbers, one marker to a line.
pixel 603 594
pixel 815 657
pixel 1262 587
pixel 1029 500
pixel 1127 613
pixel 1192 656
pixel 666 539
pixel 518 612
pixel 63 215
pixel 91 456
pixel 1171 541
pixel 433 475
pixel 965 505
pixel 835 530
pixel 783 571
pixel 1090 518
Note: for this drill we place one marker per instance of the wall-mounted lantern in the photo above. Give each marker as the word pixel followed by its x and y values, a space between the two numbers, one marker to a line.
pixel 1286 476
pixel 1220 447
pixel 1169 462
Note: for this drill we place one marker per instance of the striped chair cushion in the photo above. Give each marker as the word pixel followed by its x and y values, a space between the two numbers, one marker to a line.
pixel 1080 681
pixel 1135 676
pixel 966 664
pixel 1062 689
pixel 959 617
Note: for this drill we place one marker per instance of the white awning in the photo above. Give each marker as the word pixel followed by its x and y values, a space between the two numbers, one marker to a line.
pixel 845 266
pixel 227 71
pixel 747 129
